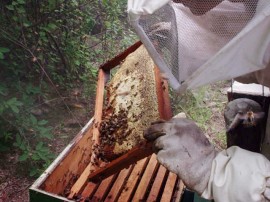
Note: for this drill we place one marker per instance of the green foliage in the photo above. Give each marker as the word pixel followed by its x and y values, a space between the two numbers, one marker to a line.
pixel 12 104
pixel 205 106
pixel 65 38
pixel 2 52
pixel 221 139
pixel 24 129
pixel 51 43
pixel 193 105
pixel 35 155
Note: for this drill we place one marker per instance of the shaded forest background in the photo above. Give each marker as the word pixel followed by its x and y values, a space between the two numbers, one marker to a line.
pixel 48 48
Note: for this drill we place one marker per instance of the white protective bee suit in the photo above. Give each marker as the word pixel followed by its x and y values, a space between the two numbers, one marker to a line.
pixel 234 174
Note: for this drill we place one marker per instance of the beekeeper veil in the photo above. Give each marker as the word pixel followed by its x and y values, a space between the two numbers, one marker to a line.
pixel 194 49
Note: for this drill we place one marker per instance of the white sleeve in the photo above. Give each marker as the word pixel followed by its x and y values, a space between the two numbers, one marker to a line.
pixel 238 175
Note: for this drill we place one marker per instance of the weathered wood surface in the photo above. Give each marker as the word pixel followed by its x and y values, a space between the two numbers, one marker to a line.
pixel 71 166
pixel 164 105
pixel 178 191
pixel 93 164
pixel 169 187
pixel 119 58
pixel 103 189
pixel 131 157
pixel 148 175
pixel 133 180
pixel 119 184
pixel 158 183
pixel 88 191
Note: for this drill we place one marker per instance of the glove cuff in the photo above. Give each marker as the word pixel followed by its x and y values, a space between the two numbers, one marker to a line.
pixel 238 175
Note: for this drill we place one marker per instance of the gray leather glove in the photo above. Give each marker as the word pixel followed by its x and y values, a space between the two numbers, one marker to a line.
pixel 234 174
pixel 184 150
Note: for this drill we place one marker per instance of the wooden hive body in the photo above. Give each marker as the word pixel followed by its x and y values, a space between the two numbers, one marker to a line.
pixel 67 177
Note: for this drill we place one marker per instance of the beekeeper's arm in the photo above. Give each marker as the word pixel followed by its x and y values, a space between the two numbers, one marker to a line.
pixel 198 7
pixel 228 176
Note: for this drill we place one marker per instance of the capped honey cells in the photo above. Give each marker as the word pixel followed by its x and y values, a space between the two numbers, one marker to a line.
pixel 131 105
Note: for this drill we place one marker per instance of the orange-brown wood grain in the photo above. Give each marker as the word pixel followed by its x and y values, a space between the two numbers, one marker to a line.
pixel 157 185
pixel 137 153
pixel 164 106
pixel 92 166
pixel 88 191
pixel 179 191
pixel 119 58
pixel 98 105
pixel 148 175
pixel 71 166
pixel 119 184
pixel 103 189
pixel 169 187
pixel 133 180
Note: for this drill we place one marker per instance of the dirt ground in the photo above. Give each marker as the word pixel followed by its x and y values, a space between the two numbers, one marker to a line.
pixel 216 101
pixel 14 182
pixel 66 119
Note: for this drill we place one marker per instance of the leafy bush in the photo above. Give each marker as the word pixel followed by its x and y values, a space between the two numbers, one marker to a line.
pixel 192 104
pixel 55 43
pixel 27 133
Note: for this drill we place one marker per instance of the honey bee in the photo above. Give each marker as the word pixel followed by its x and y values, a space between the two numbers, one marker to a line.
pixel 250 117
pixel 123 93
pixel 247 119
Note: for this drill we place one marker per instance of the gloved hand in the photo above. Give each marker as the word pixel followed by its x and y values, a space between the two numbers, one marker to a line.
pixel 231 175
pixel 184 150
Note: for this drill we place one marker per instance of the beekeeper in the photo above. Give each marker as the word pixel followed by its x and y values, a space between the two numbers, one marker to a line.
pixel 233 174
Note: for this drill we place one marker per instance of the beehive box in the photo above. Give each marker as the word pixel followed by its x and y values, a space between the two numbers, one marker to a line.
pixel 66 179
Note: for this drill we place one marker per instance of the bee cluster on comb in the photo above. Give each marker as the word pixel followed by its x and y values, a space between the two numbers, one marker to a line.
pixel 131 105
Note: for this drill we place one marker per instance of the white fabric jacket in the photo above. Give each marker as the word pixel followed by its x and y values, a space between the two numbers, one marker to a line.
pixel 249 51
pixel 204 57
pixel 238 175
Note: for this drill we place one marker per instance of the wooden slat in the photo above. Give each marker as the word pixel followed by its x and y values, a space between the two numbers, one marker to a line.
pixel 119 58
pixel 98 105
pixel 164 106
pixel 88 191
pixel 71 166
pixel 179 191
pixel 103 189
pixel 137 153
pixel 119 184
pixel 133 180
pixel 157 185
pixel 146 179
pixel 81 182
pixel 169 188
